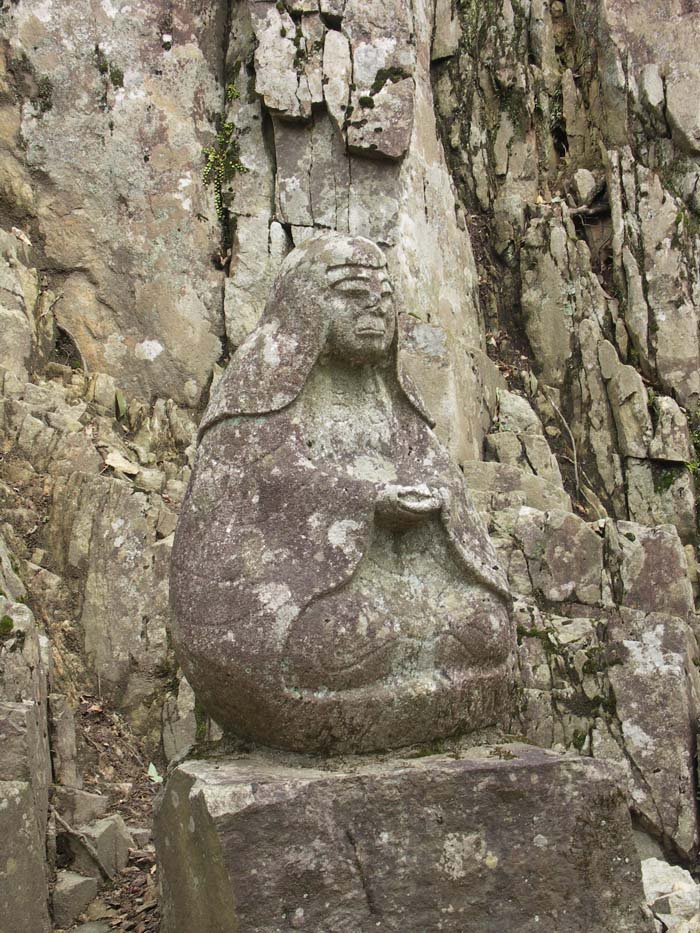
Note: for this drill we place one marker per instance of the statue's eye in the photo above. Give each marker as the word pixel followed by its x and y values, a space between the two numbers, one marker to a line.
pixel 354 292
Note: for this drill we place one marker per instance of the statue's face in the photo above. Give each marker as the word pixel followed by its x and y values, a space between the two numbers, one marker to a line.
pixel 362 318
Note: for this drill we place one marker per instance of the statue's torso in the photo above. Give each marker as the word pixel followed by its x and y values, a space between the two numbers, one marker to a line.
pixel 411 608
pixel 347 417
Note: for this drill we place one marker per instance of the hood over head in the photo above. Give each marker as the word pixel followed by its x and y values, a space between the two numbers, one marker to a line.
pixel 270 368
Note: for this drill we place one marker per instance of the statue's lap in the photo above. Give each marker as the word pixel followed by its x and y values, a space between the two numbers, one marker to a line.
pixel 408 611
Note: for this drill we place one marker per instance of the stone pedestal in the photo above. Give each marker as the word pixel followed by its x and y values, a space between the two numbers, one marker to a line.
pixel 509 838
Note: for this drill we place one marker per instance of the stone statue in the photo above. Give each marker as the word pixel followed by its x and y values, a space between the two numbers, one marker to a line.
pixel 333 587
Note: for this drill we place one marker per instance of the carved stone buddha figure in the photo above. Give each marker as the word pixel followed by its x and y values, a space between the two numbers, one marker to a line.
pixel 333 587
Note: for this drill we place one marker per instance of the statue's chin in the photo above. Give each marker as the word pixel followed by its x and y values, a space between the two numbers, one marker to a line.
pixel 366 348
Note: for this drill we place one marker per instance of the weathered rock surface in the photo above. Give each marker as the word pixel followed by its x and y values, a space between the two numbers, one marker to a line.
pixel 79 807
pixel 25 765
pixel 110 839
pixel 470 847
pixel 114 119
pixel 110 535
pixel 672 895
pixel 71 894
pixel 23 874
pixel 499 486
pixel 623 686
pixel 19 291
pixel 185 723
pixel 656 689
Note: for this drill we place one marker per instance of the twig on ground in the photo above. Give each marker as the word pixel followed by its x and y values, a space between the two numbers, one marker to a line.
pixel 89 847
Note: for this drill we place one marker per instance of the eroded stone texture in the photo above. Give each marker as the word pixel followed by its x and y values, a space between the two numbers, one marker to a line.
pixel 113 120
pixel 622 685
pixel 19 295
pixel 103 503
pixel 368 67
pixel 672 895
pixel 375 613
pixel 652 570
pixel 569 128
pixel 498 486
pixel 108 532
pixel 72 893
pixel 23 706
pixel 23 879
pixel 25 766
pixel 498 841
pixel 657 690
pixel 564 556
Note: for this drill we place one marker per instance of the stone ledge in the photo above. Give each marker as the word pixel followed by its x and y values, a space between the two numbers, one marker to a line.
pixel 511 837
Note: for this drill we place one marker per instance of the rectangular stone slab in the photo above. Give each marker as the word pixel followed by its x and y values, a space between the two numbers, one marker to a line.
pixel 510 838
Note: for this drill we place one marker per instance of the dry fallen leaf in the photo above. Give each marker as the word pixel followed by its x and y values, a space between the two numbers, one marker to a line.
pixel 21 235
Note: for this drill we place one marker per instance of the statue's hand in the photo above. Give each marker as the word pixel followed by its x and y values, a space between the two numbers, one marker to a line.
pixel 404 505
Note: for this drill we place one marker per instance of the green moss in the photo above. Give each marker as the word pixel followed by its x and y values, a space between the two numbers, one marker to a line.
pixel 111 72
pixel 439 747
pixel 687 225
pixel 608 704
pixel 385 75
pixel 6 626
pixel 580 705
pixel 232 92
pixel 116 76
pixel 101 61
pixel 543 634
pixel 579 739
pixel 43 100
pixel 599 660
pixel 120 406
pixel 664 477
pixel 367 102
pixel 476 16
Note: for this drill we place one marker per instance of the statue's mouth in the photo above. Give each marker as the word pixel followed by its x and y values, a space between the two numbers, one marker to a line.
pixel 370 330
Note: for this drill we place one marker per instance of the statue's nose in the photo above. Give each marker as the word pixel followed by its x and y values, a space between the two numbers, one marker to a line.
pixel 374 301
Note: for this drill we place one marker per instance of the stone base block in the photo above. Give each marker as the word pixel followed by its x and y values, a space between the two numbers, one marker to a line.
pixel 509 838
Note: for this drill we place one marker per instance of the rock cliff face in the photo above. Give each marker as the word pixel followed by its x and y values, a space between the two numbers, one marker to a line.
pixel 532 170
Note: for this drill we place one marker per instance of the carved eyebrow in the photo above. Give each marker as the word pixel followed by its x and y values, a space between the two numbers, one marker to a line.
pixel 339 267
pixel 340 274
